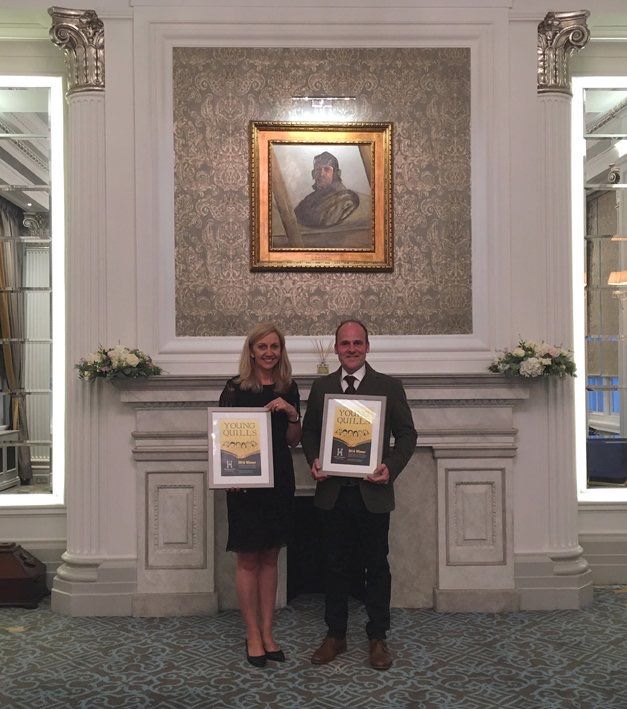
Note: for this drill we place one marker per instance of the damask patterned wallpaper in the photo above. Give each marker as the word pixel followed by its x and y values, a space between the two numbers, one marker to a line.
pixel 425 93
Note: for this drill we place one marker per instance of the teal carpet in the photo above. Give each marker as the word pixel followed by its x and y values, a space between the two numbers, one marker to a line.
pixel 569 659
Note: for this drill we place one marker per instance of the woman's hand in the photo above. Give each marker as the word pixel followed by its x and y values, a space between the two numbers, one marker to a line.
pixel 279 405
pixel 293 433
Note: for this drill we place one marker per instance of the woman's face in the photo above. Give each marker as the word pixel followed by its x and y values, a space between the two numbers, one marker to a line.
pixel 266 352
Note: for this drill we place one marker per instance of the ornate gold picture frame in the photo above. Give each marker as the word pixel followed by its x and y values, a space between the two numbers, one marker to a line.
pixel 321 196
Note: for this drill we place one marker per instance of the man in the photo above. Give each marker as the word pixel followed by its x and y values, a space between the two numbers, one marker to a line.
pixel 330 202
pixel 357 511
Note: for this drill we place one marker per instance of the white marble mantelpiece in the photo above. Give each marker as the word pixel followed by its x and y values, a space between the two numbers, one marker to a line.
pixel 451 534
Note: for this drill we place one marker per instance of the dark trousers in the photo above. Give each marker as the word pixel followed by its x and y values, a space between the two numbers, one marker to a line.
pixel 352 532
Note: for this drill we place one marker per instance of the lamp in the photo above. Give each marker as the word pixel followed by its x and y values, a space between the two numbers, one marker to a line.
pixel 316 107
pixel 617 278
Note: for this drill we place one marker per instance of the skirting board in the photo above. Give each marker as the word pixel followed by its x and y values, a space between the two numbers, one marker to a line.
pixel 49 553
pixel 161 605
pixel 110 594
pixel 475 600
pixel 84 600
pixel 607 556
pixel 541 589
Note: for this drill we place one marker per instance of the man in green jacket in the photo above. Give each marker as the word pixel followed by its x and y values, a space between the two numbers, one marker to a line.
pixel 357 511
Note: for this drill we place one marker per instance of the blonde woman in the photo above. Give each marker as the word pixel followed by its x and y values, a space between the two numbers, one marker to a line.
pixel 259 518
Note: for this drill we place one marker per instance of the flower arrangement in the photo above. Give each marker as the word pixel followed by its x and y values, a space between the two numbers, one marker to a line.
pixel 119 361
pixel 535 359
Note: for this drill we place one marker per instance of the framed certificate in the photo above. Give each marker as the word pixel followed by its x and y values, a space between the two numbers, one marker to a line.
pixel 240 447
pixel 352 434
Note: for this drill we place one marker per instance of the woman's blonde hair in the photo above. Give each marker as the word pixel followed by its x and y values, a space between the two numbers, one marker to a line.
pixel 282 372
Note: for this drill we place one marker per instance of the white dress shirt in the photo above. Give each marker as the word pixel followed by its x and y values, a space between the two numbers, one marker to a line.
pixel 359 375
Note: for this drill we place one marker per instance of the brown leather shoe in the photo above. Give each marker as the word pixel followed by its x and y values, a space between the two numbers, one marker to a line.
pixel 329 650
pixel 380 657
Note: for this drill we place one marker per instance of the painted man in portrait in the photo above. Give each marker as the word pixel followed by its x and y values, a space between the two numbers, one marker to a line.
pixel 331 202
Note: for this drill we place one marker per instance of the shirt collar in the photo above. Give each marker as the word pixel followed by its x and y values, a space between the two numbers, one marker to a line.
pixel 359 375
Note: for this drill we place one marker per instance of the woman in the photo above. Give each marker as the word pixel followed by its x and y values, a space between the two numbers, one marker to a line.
pixel 259 518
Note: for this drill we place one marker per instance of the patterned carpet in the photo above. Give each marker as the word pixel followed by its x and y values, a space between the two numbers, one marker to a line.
pixel 570 659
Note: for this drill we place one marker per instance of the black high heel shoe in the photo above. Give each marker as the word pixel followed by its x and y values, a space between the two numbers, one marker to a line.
pixel 275 655
pixel 255 660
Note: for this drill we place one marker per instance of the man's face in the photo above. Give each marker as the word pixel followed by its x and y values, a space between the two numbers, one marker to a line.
pixel 322 174
pixel 351 347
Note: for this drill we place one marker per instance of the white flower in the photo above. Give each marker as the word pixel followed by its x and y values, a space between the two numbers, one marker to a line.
pixel 518 352
pixel 531 367
pixel 118 355
pixel 553 351
pixel 132 360
pixel 92 358
pixel 546 361
pixel 542 348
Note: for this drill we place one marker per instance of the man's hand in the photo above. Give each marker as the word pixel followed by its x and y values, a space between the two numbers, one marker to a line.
pixel 381 475
pixel 315 471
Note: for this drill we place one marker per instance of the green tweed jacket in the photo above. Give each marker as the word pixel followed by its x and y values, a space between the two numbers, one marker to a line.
pixel 398 421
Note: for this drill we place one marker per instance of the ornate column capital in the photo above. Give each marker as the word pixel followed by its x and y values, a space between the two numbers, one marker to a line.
pixel 560 35
pixel 80 33
pixel 37 223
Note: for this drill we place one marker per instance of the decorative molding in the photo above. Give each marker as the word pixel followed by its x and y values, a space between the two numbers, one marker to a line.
pixel 80 34
pixel 560 35
pixel 37 223
pixel 164 554
pixel 475 524
pixel 158 32
pixel 607 117
pixel 421 388
pixel 475 517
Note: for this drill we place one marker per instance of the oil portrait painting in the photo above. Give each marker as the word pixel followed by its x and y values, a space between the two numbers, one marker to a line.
pixel 321 196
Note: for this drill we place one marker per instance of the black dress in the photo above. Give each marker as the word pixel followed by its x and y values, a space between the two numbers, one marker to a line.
pixel 260 518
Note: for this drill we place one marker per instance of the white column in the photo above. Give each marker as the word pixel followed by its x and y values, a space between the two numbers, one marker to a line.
pixel 559 35
pixel 81 35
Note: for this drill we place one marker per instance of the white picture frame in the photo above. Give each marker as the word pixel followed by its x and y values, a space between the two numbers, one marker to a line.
pixel 239 448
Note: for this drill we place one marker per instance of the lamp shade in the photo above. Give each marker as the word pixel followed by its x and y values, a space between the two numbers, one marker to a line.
pixel 617 278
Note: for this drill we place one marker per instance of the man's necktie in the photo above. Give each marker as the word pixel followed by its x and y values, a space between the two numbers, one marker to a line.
pixel 350 380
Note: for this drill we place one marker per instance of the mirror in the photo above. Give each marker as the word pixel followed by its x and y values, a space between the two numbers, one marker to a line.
pixel 31 237
pixel 605 263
